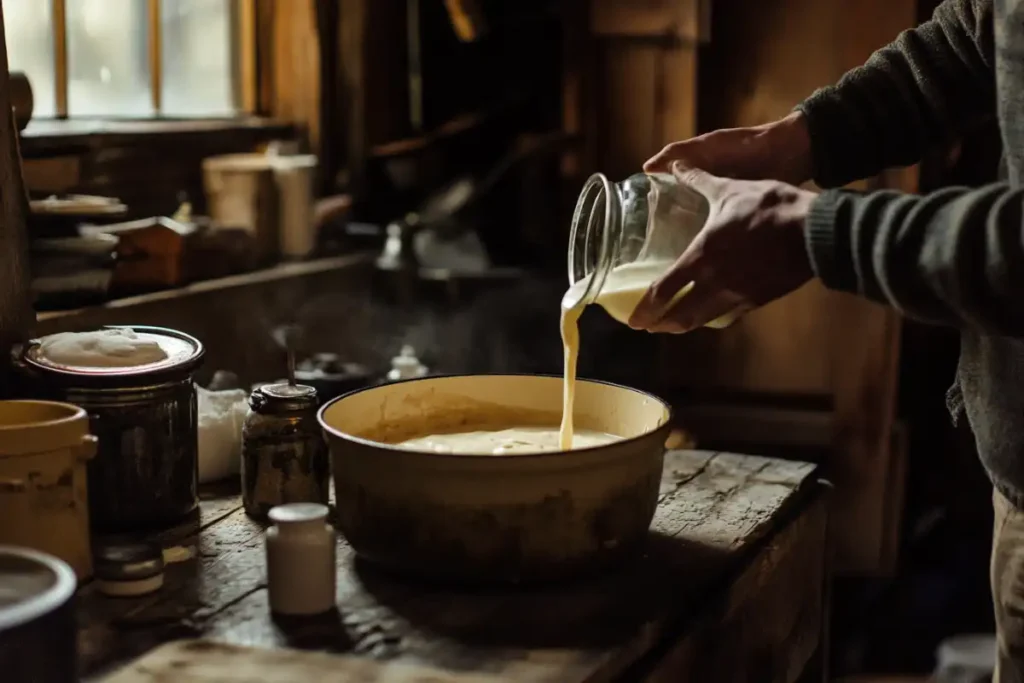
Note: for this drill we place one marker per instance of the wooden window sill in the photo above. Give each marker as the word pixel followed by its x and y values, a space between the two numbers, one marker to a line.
pixel 56 137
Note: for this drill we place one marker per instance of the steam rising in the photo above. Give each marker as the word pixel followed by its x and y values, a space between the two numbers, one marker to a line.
pixel 287 336
pixel 513 329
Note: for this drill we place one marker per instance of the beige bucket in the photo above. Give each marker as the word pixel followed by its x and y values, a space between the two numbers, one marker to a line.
pixel 43 498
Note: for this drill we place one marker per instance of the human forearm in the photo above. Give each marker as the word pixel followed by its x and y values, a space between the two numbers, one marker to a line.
pixel 780 150
pixel 954 257
pixel 926 88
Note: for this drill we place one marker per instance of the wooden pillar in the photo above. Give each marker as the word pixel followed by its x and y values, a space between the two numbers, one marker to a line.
pixel 16 315
pixel 289 63
pixel 647 71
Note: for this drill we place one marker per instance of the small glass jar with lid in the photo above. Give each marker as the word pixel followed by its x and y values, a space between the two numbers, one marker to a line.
pixel 634 229
pixel 284 455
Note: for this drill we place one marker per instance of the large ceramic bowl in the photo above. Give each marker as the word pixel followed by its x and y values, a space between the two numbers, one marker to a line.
pixel 488 518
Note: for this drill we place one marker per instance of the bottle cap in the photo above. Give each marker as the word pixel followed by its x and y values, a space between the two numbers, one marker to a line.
pixel 296 513
pixel 406 365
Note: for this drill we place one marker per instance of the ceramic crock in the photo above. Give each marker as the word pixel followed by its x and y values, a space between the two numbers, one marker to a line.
pixel 44 448
pixel 486 518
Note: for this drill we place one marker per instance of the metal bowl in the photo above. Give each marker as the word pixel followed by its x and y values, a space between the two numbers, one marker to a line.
pixel 486 518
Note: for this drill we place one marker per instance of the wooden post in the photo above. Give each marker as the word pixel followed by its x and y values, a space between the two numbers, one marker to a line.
pixel 15 299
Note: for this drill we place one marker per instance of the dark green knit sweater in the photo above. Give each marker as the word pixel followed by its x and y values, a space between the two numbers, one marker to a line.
pixel 956 256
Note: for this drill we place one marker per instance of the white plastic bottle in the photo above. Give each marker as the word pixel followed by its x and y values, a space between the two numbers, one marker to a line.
pixel 301 570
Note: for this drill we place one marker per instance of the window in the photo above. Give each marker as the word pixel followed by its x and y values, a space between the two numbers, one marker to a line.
pixel 133 58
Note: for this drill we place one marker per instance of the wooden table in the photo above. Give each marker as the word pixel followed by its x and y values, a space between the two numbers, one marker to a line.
pixel 731 588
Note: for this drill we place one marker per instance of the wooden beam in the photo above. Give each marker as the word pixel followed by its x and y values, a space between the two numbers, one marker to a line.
pixel 372 80
pixel 15 297
pixel 155 58
pixel 676 20
pixel 246 28
pixel 289 64
pixel 264 37
pixel 60 56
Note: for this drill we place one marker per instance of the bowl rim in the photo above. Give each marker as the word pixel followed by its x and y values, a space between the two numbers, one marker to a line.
pixel 52 598
pixel 72 413
pixel 394 448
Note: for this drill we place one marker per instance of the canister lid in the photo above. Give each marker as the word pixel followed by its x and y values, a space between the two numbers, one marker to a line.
pixel 168 352
pixel 130 569
pixel 282 397
pixel 128 561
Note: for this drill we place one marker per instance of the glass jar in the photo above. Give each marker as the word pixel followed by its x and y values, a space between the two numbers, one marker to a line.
pixel 284 455
pixel 636 229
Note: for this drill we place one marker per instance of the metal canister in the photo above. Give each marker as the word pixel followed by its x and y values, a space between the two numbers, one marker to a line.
pixel 284 456
pixel 144 475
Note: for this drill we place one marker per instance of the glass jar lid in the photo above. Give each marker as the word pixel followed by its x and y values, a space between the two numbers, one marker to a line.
pixel 596 228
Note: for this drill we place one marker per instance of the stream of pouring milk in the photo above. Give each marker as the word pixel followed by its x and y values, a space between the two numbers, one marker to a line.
pixel 623 288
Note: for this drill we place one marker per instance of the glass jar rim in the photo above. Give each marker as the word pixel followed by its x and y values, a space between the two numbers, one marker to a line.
pixel 581 260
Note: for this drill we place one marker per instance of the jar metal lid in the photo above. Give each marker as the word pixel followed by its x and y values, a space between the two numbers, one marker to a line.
pixel 184 354
pixel 282 397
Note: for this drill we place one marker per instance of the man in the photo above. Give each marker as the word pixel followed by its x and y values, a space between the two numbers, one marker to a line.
pixel 954 257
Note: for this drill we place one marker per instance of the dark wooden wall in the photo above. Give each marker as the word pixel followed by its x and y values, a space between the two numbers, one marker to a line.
pixel 764 58
pixel 666 70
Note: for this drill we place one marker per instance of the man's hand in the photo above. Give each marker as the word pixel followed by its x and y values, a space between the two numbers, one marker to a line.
pixel 780 151
pixel 750 251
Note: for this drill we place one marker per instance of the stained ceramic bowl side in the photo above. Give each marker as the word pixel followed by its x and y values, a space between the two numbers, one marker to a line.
pixel 494 518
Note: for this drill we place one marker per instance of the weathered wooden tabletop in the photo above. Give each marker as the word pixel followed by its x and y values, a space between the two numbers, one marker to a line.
pixel 730 588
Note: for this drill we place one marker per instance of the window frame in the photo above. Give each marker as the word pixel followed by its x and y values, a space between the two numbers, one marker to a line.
pixel 244 40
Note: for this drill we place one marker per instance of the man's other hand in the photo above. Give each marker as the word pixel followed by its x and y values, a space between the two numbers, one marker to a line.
pixel 750 251
pixel 779 151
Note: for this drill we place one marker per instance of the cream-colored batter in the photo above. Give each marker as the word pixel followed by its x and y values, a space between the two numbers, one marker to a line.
pixel 623 288
pixel 507 441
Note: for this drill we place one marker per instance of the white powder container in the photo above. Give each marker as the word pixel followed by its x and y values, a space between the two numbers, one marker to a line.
pixel 301 571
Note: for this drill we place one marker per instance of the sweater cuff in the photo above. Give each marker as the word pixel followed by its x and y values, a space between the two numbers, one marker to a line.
pixel 836 160
pixel 827 237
